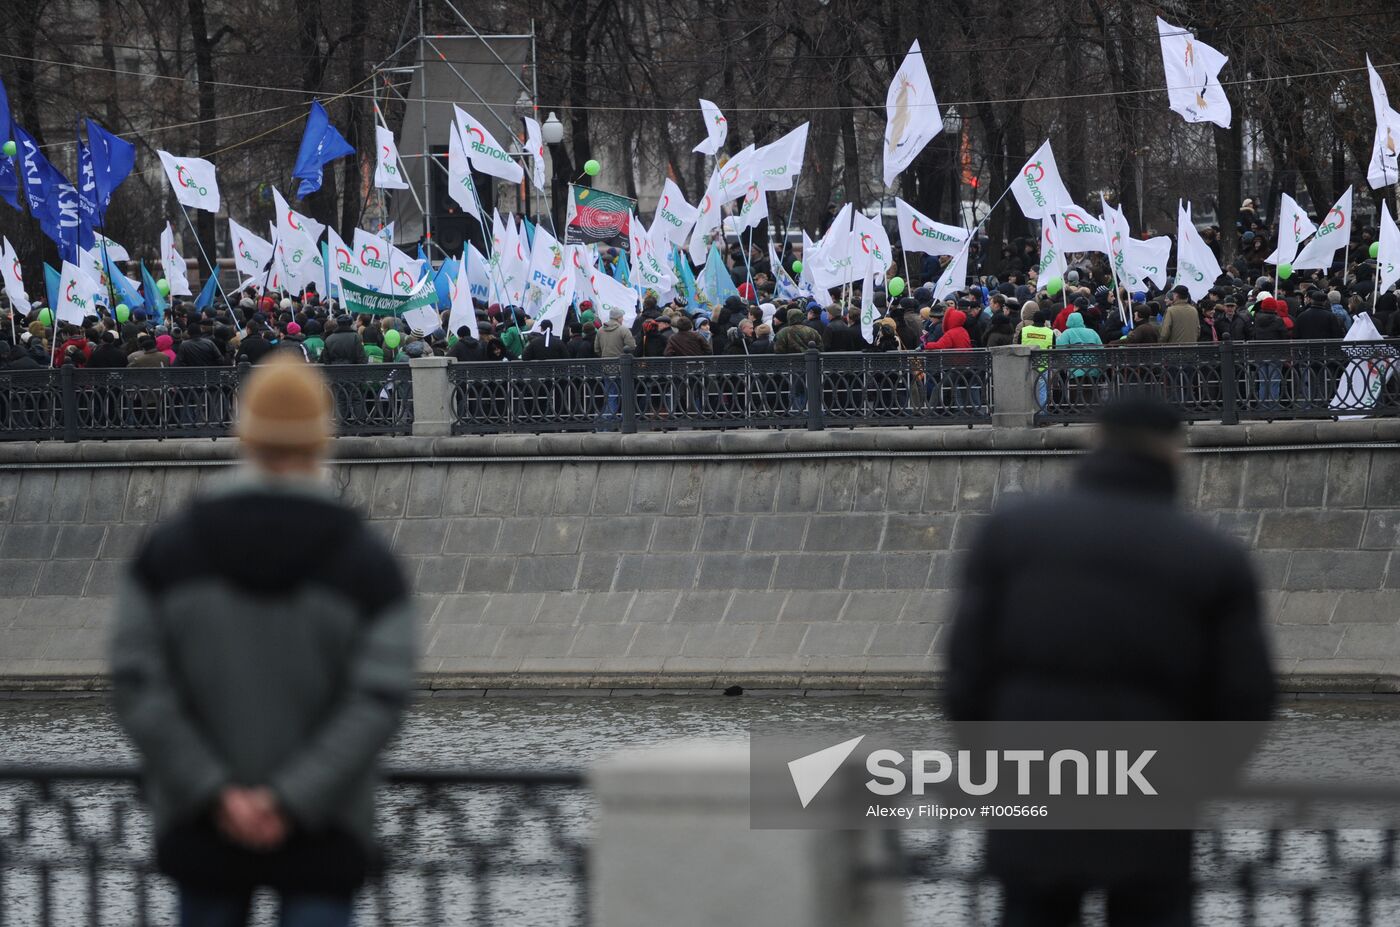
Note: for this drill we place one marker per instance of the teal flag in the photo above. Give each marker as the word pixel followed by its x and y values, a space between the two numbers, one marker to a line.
pixel 715 285
pixel 358 299
pixel 206 295
pixel 52 282
pixel 155 303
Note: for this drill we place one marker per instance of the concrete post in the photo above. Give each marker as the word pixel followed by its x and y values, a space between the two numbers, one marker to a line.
pixel 674 847
pixel 433 414
pixel 1013 385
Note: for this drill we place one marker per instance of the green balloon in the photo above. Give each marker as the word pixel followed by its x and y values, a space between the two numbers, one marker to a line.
pixel 163 286
pixel 46 316
pixel 9 148
pixel 1054 285
pixel 797 267
pixel 392 338
pixel 1285 271
pixel 895 286
pixel 123 312
pixel 1375 249
pixel 592 167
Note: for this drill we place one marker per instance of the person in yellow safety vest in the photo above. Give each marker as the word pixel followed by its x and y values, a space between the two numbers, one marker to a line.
pixel 1041 336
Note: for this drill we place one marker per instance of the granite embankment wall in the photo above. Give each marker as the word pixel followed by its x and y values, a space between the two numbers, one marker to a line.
pixel 787 560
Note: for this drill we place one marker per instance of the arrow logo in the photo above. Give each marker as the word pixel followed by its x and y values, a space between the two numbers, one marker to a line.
pixel 812 772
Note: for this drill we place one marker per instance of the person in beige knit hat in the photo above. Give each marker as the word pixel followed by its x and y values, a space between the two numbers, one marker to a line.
pixel 285 416
pixel 260 689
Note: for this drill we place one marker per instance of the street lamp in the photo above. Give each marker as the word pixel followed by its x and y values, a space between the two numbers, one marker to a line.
pixel 552 134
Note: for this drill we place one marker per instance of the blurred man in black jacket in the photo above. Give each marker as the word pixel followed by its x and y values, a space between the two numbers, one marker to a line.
pixel 1160 623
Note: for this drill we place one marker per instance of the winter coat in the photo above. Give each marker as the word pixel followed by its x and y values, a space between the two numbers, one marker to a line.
pixel 1049 632
pixel 612 339
pixel 1317 323
pixel 287 672
pixel 955 336
pixel 687 344
pixel 537 350
pixel 1180 325
pixel 344 347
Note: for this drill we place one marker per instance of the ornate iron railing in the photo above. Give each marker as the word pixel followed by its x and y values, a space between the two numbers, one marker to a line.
pixel 456 848
pixel 1225 381
pixel 810 390
pixel 73 404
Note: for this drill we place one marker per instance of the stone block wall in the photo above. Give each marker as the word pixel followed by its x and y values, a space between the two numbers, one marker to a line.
pixel 825 561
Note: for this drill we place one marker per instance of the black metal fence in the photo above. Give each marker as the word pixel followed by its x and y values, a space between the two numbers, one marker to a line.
pixel 810 390
pixel 73 404
pixel 457 848
pixel 1229 382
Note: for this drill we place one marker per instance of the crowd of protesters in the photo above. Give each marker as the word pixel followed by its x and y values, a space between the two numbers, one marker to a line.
pixel 1249 302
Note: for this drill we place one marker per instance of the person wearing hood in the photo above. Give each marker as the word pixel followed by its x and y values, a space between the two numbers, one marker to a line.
pixel 762 340
pixel 739 339
pixel 796 334
pixel 543 345
pixel 955 336
pixel 1029 308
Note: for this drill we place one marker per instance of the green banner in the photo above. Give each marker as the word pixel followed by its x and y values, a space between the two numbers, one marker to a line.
pixel 359 300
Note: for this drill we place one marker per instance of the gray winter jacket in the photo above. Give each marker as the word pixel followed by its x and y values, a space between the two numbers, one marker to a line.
pixel 264 637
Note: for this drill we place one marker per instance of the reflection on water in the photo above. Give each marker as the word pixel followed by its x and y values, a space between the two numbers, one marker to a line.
pixel 544 732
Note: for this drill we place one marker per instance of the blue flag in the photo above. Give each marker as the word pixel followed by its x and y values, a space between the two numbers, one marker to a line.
pixel 9 180
pixel 52 281
pixel 154 303
pixel 73 232
pixel 529 232
pixel 442 281
pixel 39 178
pixel 206 295
pixel 125 294
pixel 112 160
pixel 87 185
pixel 715 285
pixel 320 144
pixel 685 276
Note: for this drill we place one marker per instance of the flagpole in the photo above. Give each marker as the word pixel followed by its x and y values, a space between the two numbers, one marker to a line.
pixel 213 268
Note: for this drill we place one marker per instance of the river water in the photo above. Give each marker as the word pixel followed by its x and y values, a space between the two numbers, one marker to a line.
pixel 551 733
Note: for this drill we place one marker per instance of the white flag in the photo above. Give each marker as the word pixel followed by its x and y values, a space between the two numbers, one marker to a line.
pixel 13 276
pixel 781 162
pixel 1038 186
pixel 103 244
pixel 1052 258
pixel 405 273
pixel 917 232
pixel 1332 233
pixel 911 114
pixel 707 218
pixel 547 266
pixel 343 264
pixel 753 209
pixel 534 147
pixel 250 252
pixel 1294 227
pixel 1388 259
pixel 954 276
pixel 1147 261
pixel 731 179
pixel 1196 266
pixel 1193 76
pixel 717 127
pixel 867 304
pixel 193 181
pixel 478 275
pixel 1115 236
pixel 609 294
pixel 872 245
pixel 647 271
pixel 298 247
pixel 1079 230
pixel 388 169
pixel 674 217
pixel 371 256
pixel 581 256
pixel 463 310
pixel 460 185
pixel 485 152
pixel 90 262
pixel 173 265
pixel 515 265
pixel 1364 379
pixel 832 260
pixel 78 295
pixel 1384 169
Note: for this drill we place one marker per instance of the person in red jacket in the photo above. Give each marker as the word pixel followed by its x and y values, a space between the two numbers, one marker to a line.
pixel 955 336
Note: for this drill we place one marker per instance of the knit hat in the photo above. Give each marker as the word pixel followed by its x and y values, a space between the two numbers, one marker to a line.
pixel 293 328
pixel 285 405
